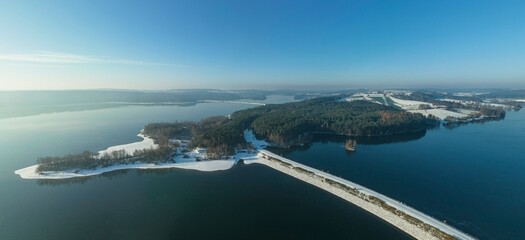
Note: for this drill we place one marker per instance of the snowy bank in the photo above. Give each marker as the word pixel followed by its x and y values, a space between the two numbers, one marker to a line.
pixel 206 166
pixel 193 160
pixel 249 137
pixel 130 148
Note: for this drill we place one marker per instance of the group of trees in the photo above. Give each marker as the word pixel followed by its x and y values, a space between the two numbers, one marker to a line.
pixel 90 160
pixel 163 131
pixel 293 123
pixel 492 112
pixel 219 134
pixel 221 139
pixel 158 155
pixel 84 160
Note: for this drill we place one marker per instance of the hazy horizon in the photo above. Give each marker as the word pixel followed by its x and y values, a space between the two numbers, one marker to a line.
pixel 291 88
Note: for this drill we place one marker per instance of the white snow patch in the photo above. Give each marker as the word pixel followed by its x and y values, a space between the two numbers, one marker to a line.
pixel 146 143
pixel 365 97
pixel 252 159
pixel 484 103
pixel 469 94
pixel 207 166
pixel 249 137
pixel 409 104
pixel 439 113
pixel 498 105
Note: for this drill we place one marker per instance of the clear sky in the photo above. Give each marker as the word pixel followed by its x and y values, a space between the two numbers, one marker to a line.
pixel 261 44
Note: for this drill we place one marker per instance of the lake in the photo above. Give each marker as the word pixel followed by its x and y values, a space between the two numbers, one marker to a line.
pixel 246 202
pixel 471 176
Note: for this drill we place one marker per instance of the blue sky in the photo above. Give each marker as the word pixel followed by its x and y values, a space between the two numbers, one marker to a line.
pixel 261 44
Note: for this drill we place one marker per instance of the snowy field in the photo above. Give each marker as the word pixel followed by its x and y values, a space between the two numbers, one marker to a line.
pixel 439 113
pixel 485 103
pixel 409 104
pixel 413 107
pixel 367 97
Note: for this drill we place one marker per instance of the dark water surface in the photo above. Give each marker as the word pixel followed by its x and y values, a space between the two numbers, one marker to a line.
pixel 246 202
pixel 472 176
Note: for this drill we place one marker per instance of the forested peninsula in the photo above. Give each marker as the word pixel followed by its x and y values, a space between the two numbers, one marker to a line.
pixel 282 125
pixel 294 123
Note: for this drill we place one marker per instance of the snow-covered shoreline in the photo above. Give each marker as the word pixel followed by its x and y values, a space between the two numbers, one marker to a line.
pixel 206 166
pixel 130 148
pixel 190 160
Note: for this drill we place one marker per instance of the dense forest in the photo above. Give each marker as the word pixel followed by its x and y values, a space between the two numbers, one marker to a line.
pixel 292 124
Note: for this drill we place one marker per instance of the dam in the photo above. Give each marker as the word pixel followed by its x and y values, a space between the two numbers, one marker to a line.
pixel 406 218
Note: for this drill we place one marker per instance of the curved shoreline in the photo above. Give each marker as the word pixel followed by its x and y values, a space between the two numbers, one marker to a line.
pixel 205 166
pixel 147 142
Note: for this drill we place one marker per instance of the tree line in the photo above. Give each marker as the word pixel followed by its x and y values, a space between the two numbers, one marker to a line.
pixel 91 160
pixel 293 122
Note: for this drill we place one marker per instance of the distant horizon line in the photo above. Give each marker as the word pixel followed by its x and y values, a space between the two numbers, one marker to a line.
pixel 265 89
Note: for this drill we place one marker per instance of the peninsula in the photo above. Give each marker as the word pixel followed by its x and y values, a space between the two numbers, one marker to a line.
pixel 221 137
